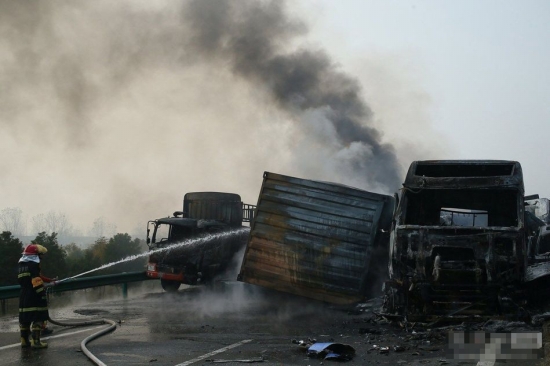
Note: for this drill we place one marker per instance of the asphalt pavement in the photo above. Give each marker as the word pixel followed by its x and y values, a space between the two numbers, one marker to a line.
pixel 228 323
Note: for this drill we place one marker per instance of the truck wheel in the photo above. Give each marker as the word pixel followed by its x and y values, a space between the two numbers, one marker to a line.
pixel 170 286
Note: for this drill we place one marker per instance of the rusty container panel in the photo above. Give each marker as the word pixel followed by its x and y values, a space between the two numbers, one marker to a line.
pixel 314 239
pixel 219 206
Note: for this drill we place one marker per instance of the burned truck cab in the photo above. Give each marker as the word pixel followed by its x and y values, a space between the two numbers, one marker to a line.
pixel 458 243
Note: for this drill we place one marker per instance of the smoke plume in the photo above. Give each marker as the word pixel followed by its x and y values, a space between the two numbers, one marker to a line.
pixel 117 109
pixel 252 37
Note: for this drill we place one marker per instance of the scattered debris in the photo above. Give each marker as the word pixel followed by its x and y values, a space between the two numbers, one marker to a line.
pixel 304 345
pixel 384 350
pixel 331 351
pixel 539 319
pixel 252 360
pixel 398 348
pixel 374 348
pixel 389 317
pixel 498 326
pixel 374 303
pixel 369 331
pixel 451 314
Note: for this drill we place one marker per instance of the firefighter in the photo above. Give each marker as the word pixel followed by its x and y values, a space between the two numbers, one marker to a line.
pixel 33 304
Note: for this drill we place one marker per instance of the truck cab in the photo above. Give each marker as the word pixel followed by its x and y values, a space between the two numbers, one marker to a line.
pixel 199 242
pixel 458 241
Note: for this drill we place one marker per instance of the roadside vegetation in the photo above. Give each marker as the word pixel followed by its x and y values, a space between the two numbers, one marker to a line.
pixel 64 261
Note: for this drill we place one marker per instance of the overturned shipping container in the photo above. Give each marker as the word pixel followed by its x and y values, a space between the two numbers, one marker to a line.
pixel 317 239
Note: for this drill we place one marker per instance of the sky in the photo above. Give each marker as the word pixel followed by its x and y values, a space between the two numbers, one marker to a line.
pixel 117 109
pixel 482 67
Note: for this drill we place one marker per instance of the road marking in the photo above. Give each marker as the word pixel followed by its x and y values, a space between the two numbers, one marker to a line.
pixel 486 363
pixel 51 337
pixel 200 358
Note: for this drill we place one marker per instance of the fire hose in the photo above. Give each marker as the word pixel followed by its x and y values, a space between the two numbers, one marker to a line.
pixel 90 338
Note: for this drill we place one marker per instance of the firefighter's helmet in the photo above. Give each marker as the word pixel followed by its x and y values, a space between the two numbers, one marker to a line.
pixel 35 249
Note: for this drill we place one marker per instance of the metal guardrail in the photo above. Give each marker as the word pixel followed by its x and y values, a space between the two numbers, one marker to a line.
pixel 10 292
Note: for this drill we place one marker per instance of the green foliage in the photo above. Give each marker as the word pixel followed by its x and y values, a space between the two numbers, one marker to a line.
pixel 71 260
pixel 74 258
pixel 121 246
pixel 10 252
pixel 99 249
pixel 53 263
pixel 105 251
pixel 73 252
pixel 83 260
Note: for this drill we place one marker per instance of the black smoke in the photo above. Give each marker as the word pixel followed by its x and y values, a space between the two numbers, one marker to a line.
pixel 253 38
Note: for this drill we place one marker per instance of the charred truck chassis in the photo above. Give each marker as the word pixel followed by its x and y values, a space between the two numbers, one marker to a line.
pixel 458 243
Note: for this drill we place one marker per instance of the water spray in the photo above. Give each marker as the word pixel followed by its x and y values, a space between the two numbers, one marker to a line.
pixel 187 242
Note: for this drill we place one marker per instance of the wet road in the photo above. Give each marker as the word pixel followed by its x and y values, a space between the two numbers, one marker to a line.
pixel 199 325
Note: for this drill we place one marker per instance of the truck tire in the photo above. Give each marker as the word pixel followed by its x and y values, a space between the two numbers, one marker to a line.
pixel 170 286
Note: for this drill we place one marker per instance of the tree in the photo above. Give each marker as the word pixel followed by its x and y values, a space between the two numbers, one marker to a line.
pixel 102 228
pixel 105 251
pixel 12 220
pixel 54 264
pixel 139 231
pixel 73 251
pixel 10 252
pixel 39 223
pixel 88 261
pixel 121 246
pixel 98 249
pixel 74 259
pixel 80 261
pixel 52 222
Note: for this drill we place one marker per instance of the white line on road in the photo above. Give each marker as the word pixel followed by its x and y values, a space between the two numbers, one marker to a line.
pixel 200 358
pixel 486 363
pixel 51 337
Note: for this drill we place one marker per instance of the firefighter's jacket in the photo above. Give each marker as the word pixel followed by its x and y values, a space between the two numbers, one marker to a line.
pixel 33 303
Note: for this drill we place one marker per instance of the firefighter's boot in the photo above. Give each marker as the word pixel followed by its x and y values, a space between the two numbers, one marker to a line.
pixel 25 332
pixel 35 342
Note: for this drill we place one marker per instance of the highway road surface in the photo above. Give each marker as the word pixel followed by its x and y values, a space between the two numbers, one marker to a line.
pixel 230 323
